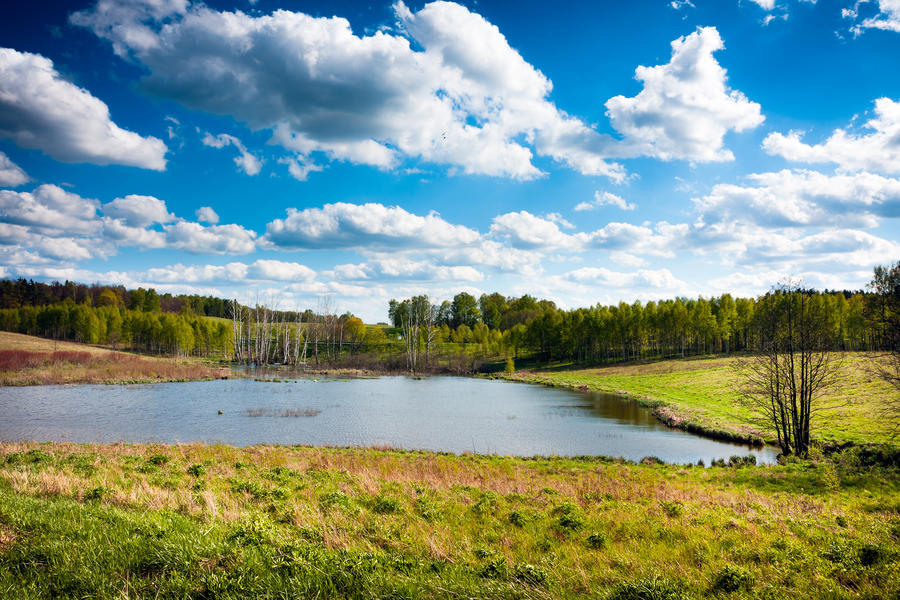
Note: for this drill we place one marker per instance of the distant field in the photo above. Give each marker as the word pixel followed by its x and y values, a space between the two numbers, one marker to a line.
pixel 707 391
pixel 195 521
pixel 28 360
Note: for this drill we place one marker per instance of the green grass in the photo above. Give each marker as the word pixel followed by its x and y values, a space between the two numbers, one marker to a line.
pixel 706 392
pixel 150 521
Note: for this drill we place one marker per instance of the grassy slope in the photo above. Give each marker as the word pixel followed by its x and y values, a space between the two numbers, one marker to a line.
pixel 707 391
pixel 105 365
pixel 212 521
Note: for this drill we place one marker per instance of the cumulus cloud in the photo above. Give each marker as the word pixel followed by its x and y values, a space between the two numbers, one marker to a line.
pixel 404 268
pixel 373 99
pixel 211 239
pixel 207 215
pixel 11 174
pixel 245 161
pixel 804 199
pixel 300 167
pixel 642 278
pixel 877 151
pixel 371 225
pixel 765 4
pixel 686 107
pixel 605 199
pixel 50 210
pixel 138 211
pixel 40 110
pixel 887 18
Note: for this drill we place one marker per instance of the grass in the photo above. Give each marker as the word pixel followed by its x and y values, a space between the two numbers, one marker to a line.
pixel 196 521
pixel 704 393
pixel 28 360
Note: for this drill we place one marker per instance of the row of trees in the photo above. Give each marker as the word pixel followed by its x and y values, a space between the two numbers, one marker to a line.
pixel 179 334
pixel 19 293
pixel 605 333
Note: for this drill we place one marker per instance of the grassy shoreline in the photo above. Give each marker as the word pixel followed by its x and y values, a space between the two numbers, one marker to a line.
pixel 702 395
pixel 27 360
pixel 198 521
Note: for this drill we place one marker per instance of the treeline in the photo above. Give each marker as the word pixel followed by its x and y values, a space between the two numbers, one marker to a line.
pixel 20 293
pixel 625 331
pixel 180 334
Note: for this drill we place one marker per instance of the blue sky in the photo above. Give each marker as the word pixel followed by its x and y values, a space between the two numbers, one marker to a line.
pixel 585 152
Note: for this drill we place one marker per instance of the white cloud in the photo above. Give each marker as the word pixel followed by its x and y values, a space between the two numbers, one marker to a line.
pixel 525 230
pixel 207 215
pixel 50 210
pixel 138 211
pixel 685 108
pixel 371 225
pixel 300 167
pixel 876 151
pixel 211 239
pixel 804 199
pixel 605 199
pixel 403 268
pixel 887 18
pixel 118 231
pixel 11 174
pixel 372 99
pixel 765 4
pixel 245 161
pixel 643 278
pixel 40 110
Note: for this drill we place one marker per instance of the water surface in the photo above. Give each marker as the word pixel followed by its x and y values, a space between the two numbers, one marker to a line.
pixel 452 414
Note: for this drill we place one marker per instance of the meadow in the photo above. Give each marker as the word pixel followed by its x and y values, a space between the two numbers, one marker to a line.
pixel 28 360
pixel 195 521
pixel 703 394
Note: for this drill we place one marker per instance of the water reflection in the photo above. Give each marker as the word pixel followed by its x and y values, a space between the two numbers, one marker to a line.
pixel 452 414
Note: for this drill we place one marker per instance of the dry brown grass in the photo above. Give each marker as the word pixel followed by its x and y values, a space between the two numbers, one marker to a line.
pixel 26 360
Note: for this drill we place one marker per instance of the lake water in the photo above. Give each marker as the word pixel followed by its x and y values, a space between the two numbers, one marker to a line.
pixel 453 414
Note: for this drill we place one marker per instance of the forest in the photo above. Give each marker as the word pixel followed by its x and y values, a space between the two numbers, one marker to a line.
pixel 422 334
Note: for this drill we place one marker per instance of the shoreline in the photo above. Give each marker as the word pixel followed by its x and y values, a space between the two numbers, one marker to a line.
pixel 665 413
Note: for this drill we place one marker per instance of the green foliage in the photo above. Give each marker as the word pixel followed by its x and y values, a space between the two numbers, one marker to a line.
pixel 385 505
pixel 731 579
pixel 197 470
pixel 596 541
pixel 651 588
pixel 568 517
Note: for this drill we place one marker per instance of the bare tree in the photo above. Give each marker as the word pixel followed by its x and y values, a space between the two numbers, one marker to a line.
pixel 786 380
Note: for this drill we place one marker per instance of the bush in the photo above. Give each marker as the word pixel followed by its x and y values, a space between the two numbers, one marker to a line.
pixel 196 470
pixel 671 508
pixel 731 579
pixel 596 541
pixel 530 574
pixel 568 517
pixel 650 588
pixel 496 569
pixel 95 494
pixel 385 505
pixel 510 366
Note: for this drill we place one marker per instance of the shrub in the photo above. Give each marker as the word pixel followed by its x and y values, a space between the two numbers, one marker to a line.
pixel 568 517
pixel 196 470
pixel 517 518
pixel 530 574
pixel 95 494
pixel 650 588
pixel 510 366
pixel 731 579
pixel 496 569
pixel 385 505
pixel 870 554
pixel 672 508
pixel 596 541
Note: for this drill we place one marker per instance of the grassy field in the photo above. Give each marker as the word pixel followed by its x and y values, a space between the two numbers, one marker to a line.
pixel 28 360
pixel 148 521
pixel 706 392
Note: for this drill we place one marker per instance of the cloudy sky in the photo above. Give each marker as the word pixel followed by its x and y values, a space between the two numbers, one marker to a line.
pixel 585 152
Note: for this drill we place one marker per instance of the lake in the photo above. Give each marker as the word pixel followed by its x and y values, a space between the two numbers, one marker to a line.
pixel 451 414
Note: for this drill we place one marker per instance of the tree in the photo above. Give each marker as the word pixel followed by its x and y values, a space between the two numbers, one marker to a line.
pixel 464 310
pixel 787 379
pixel 886 286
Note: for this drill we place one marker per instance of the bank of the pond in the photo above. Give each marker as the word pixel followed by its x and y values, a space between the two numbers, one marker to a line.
pixel 702 395
pixel 27 361
pixel 192 521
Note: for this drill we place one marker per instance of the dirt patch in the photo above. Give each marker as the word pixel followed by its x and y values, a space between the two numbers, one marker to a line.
pixel 7 538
